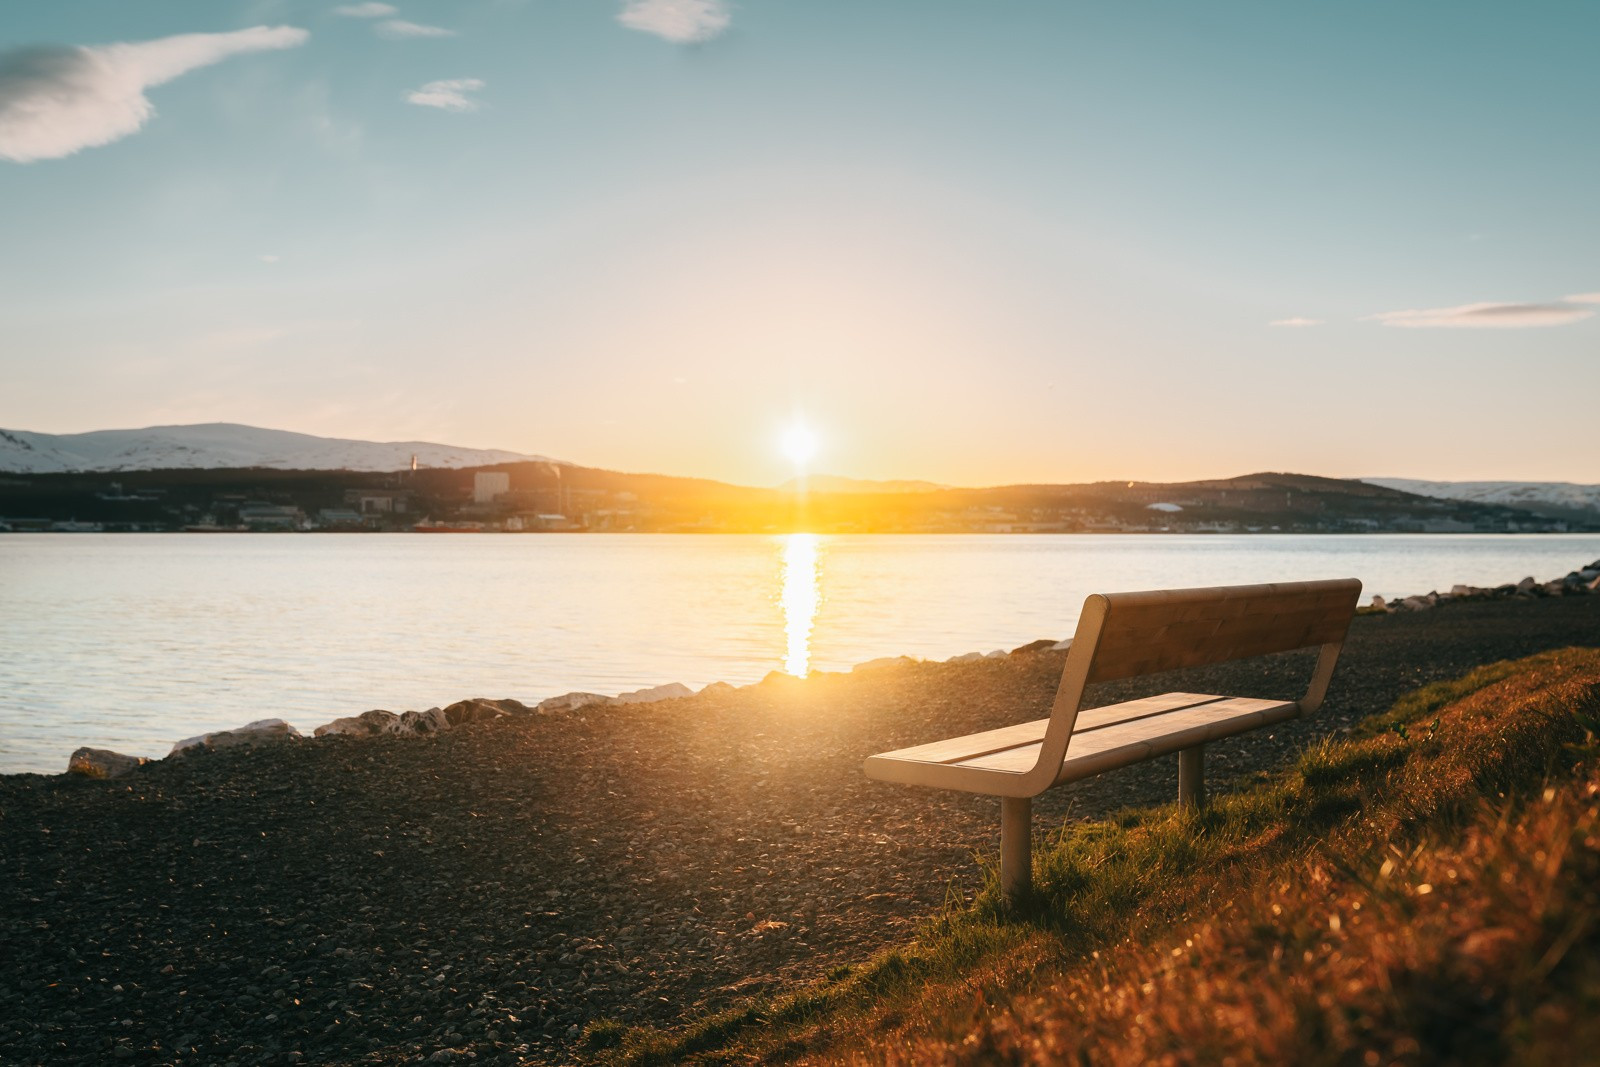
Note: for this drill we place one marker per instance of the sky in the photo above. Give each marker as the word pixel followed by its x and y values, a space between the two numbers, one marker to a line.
pixel 974 243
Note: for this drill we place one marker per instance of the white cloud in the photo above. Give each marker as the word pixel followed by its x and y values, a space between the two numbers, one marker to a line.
pixel 373 10
pixel 1296 321
pixel 683 21
pixel 1486 316
pixel 57 101
pixel 268 258
pixel 397 29
pixel 447 95
pixel 1584 298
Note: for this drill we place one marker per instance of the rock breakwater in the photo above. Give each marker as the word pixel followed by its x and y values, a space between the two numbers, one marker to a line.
pixel 1581 582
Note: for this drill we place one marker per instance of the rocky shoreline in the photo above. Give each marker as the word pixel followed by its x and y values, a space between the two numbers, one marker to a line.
pixel 1585 580
pixel 103 763
pixel 483 893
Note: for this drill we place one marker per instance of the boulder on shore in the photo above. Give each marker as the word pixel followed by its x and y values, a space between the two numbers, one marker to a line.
pixel 102 763
pixel 367 724
pixel 670 691
pixel 573 701
pixel 1041 645
pixel 417 723
pixel 883 663
pixel 251 734
pixel 473 709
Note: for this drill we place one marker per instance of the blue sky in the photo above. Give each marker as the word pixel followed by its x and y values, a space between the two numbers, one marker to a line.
pixel 974 243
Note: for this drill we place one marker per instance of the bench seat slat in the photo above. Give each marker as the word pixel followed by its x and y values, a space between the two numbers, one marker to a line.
pixel 957 749
pixel 1123 734
pixel 1133 742
pixel 1128 710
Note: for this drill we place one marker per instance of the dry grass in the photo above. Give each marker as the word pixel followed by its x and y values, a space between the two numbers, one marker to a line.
pixel 1479 945
pixel 1286 923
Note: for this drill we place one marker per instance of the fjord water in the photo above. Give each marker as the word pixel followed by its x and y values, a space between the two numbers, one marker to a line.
pixel 131 642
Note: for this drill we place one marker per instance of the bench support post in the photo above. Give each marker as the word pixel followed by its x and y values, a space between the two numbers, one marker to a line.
pixel 1191 777
pixel 1016 846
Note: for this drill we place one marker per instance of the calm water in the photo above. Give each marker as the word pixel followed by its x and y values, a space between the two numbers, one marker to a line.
pixel 131 642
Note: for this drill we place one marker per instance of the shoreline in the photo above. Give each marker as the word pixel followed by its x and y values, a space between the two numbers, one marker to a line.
pixel 93 762
pixel 496 887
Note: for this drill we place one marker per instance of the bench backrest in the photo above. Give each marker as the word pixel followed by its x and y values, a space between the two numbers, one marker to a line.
pixel 1124 635
pixel 1166 629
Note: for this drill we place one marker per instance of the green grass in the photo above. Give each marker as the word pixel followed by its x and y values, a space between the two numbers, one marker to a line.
pixel 1424 768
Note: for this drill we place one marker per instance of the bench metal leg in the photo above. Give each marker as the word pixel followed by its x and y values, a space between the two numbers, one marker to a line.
pixel 1016 846
pixel 1191 777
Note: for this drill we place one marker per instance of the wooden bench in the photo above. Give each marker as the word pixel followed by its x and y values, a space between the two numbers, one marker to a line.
pixel 1125 635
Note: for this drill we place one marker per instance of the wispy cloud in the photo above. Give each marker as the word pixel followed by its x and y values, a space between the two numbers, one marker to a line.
pixel 1584 298
pixel 447 95
pixel 57 101
pixel 269 258
pixel 398 29
pixel 1296 321
pixel 1492 315
pixel 372 10
pixel 683 21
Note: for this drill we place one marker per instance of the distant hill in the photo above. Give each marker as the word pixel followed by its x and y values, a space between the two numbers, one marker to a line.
pixel 225 445
pixel 837 483
pixel 224 475
pixel 1551 498
pixel 545 495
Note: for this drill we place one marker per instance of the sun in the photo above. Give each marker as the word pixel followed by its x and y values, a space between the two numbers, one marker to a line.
pixel 799 443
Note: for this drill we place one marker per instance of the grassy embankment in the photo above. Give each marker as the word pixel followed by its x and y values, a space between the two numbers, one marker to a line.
pixel 1426 890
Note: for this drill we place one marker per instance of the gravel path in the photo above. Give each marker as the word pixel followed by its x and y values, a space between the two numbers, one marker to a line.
pixel 476 896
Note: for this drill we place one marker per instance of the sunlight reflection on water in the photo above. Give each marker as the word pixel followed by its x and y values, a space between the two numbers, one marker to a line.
pixel 131 642
pixel 802 594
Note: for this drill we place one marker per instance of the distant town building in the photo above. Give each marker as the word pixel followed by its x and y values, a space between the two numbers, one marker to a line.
pixel 259 516
pixel 377 501
pixel 489 486
pixel 339 519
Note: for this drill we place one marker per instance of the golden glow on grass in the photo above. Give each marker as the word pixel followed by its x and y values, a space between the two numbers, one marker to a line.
pixel 1409 869
pixel 799 443
pixel 802 594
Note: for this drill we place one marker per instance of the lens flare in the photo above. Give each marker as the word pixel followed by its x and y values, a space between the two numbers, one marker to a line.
pixel 802 594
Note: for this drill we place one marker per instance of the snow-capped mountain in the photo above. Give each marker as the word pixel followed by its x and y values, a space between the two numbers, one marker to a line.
pixel 1533 496
pixel 223 444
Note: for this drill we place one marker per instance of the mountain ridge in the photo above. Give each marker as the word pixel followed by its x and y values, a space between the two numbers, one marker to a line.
pixel 839 483
pixel 238 446
pixel 224 445
pixel 1549 497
